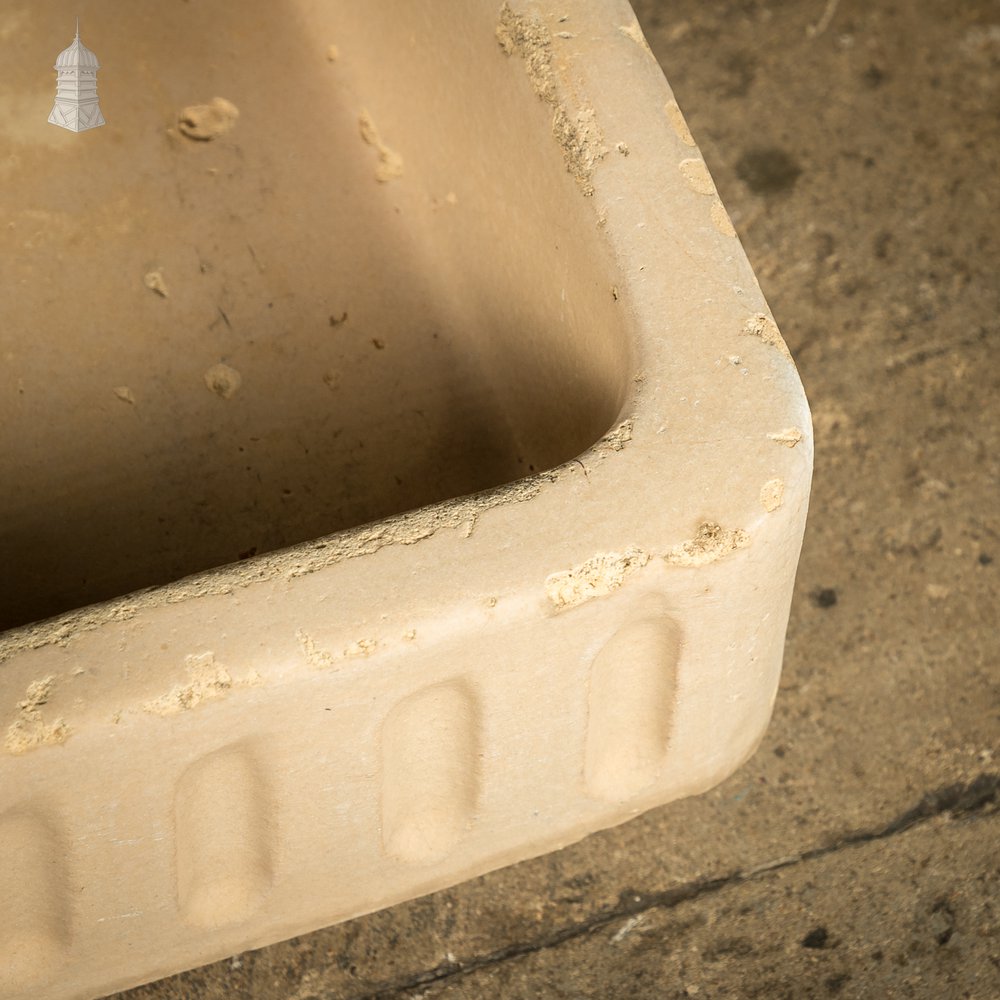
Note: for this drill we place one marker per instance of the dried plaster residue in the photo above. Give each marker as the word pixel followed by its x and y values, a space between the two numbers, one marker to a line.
pixel 323 659
pixel 618 437
pixel 29 730
pixel 720 219
pixel 224 381
pixel 678 123
pixel 207 680
pixel 607 571
pixel 697 176
pixel 315 656
pixel 772 495
pixel 361 647
pixel 789 437
pixel 711 542
pixel 764 328
pixel 598 576
pixel 634 32
pixel 575 128
pixel 205 122
pixel 155 283
pixel 390 163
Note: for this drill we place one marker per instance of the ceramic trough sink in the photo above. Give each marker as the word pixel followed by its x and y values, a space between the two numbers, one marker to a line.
pixel 402 472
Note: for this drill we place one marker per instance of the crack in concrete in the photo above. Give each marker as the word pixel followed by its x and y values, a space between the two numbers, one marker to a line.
pixel 958 800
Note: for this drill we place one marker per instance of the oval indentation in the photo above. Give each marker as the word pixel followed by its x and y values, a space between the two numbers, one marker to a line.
pixel 34 905
pixel 223 838
pixel 633 683
pixel 430 772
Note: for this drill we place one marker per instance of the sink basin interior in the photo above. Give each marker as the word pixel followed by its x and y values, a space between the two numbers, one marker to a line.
pixel 384 345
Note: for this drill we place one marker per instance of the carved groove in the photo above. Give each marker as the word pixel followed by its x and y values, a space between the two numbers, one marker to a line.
pixel 34 903
pixel 633 684
pixel 223 840
pixel 430 772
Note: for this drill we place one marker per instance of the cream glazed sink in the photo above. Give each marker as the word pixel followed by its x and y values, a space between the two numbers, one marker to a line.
pixel 431 421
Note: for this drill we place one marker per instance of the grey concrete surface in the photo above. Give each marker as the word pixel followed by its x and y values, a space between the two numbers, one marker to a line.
pixel 857 147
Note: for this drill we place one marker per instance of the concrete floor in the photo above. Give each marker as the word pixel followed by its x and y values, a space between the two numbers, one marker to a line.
pixel 856 855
